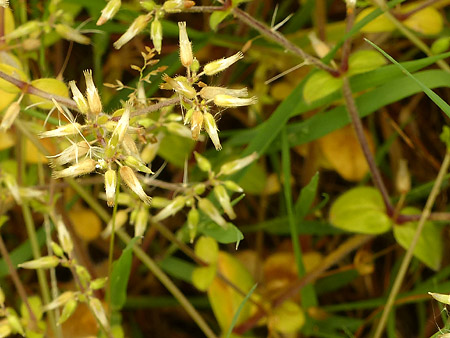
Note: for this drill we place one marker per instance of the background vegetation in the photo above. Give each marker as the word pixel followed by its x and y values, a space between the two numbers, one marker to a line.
pixel 224 168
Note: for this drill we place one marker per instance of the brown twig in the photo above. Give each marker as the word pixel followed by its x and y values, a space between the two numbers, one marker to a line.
pixel 16 280
pixel 359 130
pixel 343 250
pixel 350 19
pixel 281 40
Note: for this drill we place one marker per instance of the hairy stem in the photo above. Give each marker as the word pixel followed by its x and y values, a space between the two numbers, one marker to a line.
pixel 359 130
pixel 409 253
pixel 281 40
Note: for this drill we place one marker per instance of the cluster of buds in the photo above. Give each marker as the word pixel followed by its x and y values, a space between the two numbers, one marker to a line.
pixel 197 102
pixel 112 148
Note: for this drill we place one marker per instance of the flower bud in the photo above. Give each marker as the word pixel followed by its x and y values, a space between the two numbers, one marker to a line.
pixel 141 222
pixel 46 262
pixel 129 146
pixel 199 188
pixel 98 283
pixel 156 34
pixel 223 100
pixel 196 124
pixel 236 165
pixel 83 167
pixel 176 205
pixel 136 164
pixel 181 85
pixel 209 92
pixel 110 186
pixel 210 210
pixel 320 47
pixel 23 30
pixel 148 5
pixel 60 301
pixel 11 183
pixel 202 162
pixel 108 12
pixel 99 311
pixel 211 128
pixel 224 200
pixel 70 154
pixel 233 186
pixel 68 310
pixel 66 130
pixel 188 116
pixel 120 220
pixel 178 129
pixel 149 152
pixel 14 322
pixel 195 66
pixel 79 99
pixel 57 250
pixel 95 104
pixel 64 237
pixel 174 6
pixel 132 182
pixel 192 223
pixel 71 34
pixel 10 116
pixel 217 66
pixel 440 297
pixel 186 56
pixel 119 132
pixel 160 202
pixel 83 275
pixel 403 179
pixel 135 28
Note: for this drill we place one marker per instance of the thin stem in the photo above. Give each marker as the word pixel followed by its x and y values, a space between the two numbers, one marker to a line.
pixel 16 280
pixel 146 260
pixel 156 106
pixel 167 282
pixel 359 130
pixel 404 16
pixel 350 19
pixel 281 40
pixel 111 245
pixel 409 253
pixel 410 35
pixel 343 250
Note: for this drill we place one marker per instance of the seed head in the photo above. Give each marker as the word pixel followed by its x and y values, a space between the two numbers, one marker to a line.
pixel 95 104
pixel 66 130
pixel 79 99
pixel 46 262
pixel 111 8
pixel 211 129
pixel 236 165
pixel 171 209
pixel 223 100
pixel 209 209
pixel 81 168
pixel 70 154
pixel 110 186
pixel 217 66
pixel 10 116
pixel 209 92
pixel 135 28
pixel 133 183
pixel 156 34
pixel 64 237
pixel 186 56
pixel 71 34
pixel 196 124
pixel 224 200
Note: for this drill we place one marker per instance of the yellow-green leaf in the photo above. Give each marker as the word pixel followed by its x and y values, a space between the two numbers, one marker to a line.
pixel 52 86
pixel 319 85
pixel 428 21
pixel 14 72
pixel 207 249
pixel 429 248
pixel 202 277
pixel 360 210
pixel 364 61
pixel 287 318
pixel 378 25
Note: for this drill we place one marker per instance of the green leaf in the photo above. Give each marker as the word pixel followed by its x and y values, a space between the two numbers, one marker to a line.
pixel 119 276
pixel 319 85
pixel 207 249
pixel 432 95
pixel 364 61
pixel 174 149
pixel 202 277
pixel 224 235
pixel 236 3
pixel 360 210
pixel 306 197
pixel 254 180
pixel 429 248
pixel 216 18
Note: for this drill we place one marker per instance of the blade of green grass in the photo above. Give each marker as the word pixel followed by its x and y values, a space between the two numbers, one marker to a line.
pixel 308 295
pixel 238 311
pixel 432 95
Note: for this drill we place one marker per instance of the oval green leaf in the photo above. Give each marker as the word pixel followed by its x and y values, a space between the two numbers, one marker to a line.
pixel 319 85
pixel 202 277
pixel 360 210
pixel 429 248
pixel 216 18
pixel 52 86
pixel 364 61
